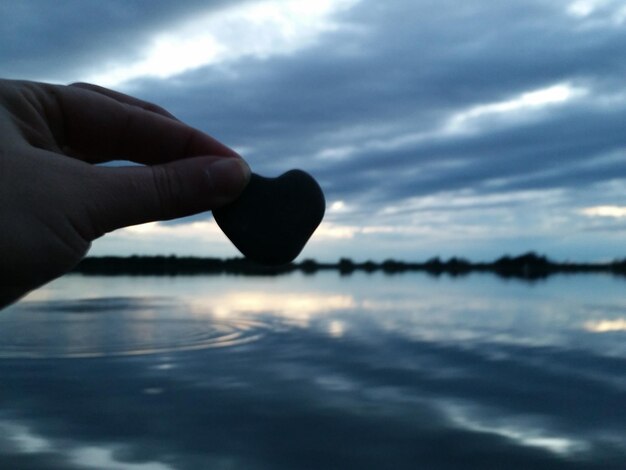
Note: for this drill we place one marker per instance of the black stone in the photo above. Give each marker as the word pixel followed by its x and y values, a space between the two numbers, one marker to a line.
pixel 274 217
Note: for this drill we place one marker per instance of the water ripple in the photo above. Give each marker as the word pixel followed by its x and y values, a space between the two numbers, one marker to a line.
pixel 118 327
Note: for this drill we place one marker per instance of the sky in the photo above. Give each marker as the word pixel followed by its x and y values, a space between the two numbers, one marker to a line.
pixel 435 128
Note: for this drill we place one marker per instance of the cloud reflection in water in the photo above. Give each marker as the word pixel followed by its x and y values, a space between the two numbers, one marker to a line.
pixel 367 372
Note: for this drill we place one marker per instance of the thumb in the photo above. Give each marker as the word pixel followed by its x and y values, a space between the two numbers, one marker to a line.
pixel 138 194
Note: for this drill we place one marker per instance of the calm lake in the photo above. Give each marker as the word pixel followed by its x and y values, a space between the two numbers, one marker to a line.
pixel 315 372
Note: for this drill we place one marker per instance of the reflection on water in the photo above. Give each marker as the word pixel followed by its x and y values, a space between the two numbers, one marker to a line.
pixel 116 327
pixel 298 372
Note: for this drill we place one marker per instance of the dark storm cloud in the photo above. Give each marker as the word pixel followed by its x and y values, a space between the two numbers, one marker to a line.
pixel 53 39
pixel 406 67
pixel 399 67
pixel 569 151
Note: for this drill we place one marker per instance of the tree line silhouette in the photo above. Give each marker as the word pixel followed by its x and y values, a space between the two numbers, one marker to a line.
pixel 529 266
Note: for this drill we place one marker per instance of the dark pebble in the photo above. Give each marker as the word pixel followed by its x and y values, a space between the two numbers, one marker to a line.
pixel 274 217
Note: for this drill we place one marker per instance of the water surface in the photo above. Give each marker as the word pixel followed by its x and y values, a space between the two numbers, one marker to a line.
pixel 322 371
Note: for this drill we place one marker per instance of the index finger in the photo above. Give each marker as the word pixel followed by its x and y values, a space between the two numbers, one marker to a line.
pixel 96 127
pixel 123 98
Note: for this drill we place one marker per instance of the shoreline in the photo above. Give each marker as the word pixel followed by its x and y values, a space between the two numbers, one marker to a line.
pixel 529 266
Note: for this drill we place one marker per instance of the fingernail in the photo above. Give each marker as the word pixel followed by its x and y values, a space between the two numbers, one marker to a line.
pixel 228 176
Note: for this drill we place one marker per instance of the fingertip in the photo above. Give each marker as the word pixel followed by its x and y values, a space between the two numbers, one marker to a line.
pixel 227 178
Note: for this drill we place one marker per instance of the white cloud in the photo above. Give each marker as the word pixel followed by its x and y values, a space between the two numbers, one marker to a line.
pixel 483 117
pixel 260 29
pixel 201 238
pixel 520 105
pixel 616 212
pixel 598 13
pixel 336 153
pixel 606 326
pixel 338 207
pixel 582 8
pixel 331 231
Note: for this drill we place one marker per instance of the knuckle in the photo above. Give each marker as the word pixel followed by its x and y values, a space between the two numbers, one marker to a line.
pixel 168 190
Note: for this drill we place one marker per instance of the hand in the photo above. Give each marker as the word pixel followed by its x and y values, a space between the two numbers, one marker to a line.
pixel 54 201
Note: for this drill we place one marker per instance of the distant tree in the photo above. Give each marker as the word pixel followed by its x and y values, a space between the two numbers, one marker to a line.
pixel 346 266
pixel 528 266
pixel 457 266
pixel 369 266
pixel 434 266
pixel 391 266
pixel 309 266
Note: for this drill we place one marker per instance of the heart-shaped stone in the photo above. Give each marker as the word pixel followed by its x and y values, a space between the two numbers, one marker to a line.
pixel 274 217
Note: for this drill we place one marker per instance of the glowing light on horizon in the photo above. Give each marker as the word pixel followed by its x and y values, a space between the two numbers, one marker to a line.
pixel 329 230
pixel 189 229
pixel 260 29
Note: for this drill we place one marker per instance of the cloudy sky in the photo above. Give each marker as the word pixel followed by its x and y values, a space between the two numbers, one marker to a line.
pixel 447 127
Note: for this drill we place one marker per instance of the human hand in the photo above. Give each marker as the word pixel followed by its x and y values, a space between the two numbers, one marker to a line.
pixel 54 201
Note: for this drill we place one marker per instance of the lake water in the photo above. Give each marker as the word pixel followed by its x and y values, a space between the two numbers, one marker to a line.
pixel 315 372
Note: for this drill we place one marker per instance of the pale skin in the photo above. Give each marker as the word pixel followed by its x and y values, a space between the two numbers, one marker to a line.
pixel 55 200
